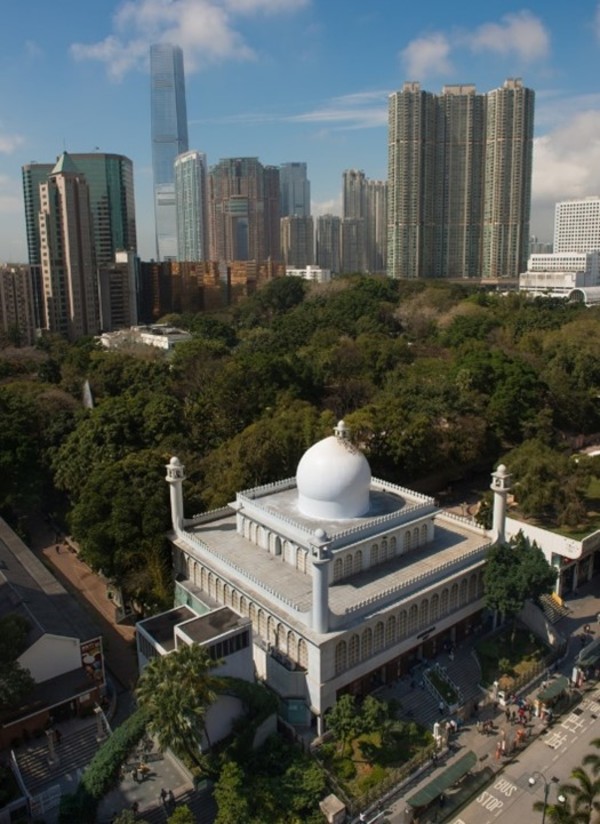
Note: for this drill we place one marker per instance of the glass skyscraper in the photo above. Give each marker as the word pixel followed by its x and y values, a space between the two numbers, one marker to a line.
pixel 169 139
pixel 191 201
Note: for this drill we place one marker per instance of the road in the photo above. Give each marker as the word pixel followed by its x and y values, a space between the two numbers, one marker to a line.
pixel 510 797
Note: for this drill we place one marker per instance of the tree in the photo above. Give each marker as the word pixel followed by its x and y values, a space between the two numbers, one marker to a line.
pixel 230 795
pixel 182 815
pixel 344 720
pixel 15 683
pixel 515 572
pixel 584 796
pixel 177 690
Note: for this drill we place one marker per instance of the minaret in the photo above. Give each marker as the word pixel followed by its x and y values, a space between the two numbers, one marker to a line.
pixel 321 558
pixel 500 487
pixel 175 478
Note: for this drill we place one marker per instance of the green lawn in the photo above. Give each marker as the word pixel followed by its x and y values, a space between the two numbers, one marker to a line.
pixel 502 659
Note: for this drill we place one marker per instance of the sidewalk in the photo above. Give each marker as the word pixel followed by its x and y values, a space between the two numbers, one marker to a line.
pixel 90 590
pixel 583 609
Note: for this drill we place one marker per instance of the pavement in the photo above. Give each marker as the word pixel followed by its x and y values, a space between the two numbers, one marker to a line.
pixel 583 608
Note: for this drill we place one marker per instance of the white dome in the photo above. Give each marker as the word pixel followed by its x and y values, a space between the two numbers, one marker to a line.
pixel 333 480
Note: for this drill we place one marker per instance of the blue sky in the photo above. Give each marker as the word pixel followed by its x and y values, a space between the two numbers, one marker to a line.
pixel 287 80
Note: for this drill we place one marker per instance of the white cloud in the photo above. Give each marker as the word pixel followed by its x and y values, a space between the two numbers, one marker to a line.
pixel 427 55
pixel 521 34
pixel 205 29
pixel 333 206
pixel 10 142
pixel 566 163
pixel 361 110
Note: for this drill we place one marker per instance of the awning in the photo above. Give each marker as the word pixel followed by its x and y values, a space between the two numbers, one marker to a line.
pixel 589 655
pixel 553 689
pixel 443 781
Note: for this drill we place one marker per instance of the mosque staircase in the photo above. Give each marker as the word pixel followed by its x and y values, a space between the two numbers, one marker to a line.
pixel 552 609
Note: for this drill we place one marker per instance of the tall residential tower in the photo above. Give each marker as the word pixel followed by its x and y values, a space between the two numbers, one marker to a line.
pixel 191 203
pixel 294 188
pixel 459 178
pixel 169 139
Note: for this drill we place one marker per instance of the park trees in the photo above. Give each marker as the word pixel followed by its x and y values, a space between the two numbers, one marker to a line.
pixel 515 572
pixel 176 690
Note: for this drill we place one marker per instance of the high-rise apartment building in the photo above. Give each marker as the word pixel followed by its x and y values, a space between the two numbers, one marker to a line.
pixel 577 225
pixel 191 203
pixel 354 194
pixel 297 241
pixel 243 210
pixel 328 242
pixel 294 189
pixel 68 266
pixel 376 217
pixel 459 177
pixel 17 319
pixel 169 139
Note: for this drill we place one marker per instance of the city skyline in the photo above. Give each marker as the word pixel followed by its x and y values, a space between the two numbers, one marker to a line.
pixel 287 81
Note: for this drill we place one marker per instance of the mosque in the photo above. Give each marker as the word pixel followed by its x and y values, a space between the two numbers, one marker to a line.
pixel 347 580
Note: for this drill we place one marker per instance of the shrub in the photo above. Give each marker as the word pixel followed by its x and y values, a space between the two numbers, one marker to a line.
pixel 346 769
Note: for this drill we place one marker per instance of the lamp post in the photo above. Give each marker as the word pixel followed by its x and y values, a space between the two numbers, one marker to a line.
pixel 546 790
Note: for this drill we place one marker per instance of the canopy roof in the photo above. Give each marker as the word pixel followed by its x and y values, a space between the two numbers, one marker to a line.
pixel 589 655
pixel 443 781
pixel 553 689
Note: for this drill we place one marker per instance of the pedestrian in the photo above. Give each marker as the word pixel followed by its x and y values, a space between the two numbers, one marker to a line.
pixel 135 807
pixel 171 798
pixel 163 795
pixel 507 713
pixel 441 707
pixel 498 751
pixel 57 548
pixel 362 817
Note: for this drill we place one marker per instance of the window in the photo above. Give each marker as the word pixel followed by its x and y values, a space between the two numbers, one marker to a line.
pixel 353 649
pixel 340 657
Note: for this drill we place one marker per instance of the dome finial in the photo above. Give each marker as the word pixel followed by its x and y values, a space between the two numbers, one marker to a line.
pixel 342 431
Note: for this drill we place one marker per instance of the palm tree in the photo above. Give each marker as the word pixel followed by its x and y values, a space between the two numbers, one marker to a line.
pixel 177 689
pixel 593 759
pixel 584 796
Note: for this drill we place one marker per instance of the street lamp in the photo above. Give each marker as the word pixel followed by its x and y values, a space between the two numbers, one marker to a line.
pixel 546 790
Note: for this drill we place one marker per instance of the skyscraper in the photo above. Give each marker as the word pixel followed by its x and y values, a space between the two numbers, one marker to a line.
pixel 294 187
pixel 354 201
pixel 191 202
pixel 169 139
pixel 376 252
pixel 297 241
pixel 69 280
pixel 328 242
pixel 244 210
pixel 459 177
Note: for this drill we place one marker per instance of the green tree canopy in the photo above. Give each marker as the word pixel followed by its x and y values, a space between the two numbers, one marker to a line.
pixel 515 572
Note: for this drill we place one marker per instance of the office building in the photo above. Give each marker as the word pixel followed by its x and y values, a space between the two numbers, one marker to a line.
pixel 577 225
pixel 294 190
pixel 68 267
pixel 244 210
pixel 191 204
pixel 169 139
pixel 118 289
pixel 297 241
pixel 347 580
pixel 459 178
pixel 328 242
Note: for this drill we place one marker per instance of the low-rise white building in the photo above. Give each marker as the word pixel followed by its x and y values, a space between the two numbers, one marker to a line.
pixel 314 273
pixel 560 273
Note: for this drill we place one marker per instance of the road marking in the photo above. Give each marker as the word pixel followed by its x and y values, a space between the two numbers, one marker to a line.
pixel 489 801
pixel 554 740
pixel 572 723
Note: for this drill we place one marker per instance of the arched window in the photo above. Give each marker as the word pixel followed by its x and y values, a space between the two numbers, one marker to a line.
pixel 374 554
pixel 341 662
pixel 203 580
pixel 219 590
pixel 348 566
pixel 453 597
pixel 390 631
pixel 353 651
pixel 338 569
pixel 413 617
pixel 262 624
pixel 444 603
pixel 424 535
pixel 402 624
pixel 407 540
pixel 480 585
pixel 424 613
pixel 358 561
pixel 243 606
pixel 292 646
pixel 302 654
pixel 281 638
pixel 434 610
pixel 473 587
pixel 271 631
pixel 277 545
pixel 384 549
pixel 378 639
pixel 393 543
pixel 235 600
pixel 301 560
pixel 211 585
pixel 366 644
pixel 252 612
pixel 416 536
pixel 464 589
